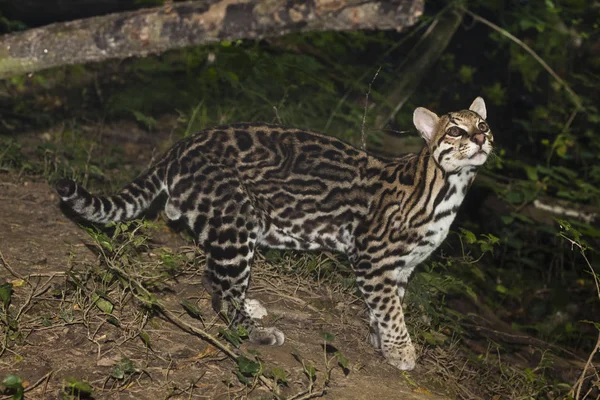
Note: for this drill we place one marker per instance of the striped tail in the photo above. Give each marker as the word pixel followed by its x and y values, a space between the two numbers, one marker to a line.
pixel 129 203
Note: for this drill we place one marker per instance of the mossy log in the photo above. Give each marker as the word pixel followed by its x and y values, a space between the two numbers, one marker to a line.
pixel 155 30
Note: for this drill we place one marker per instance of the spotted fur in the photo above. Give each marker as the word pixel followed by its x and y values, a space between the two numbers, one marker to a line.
pixel 247 185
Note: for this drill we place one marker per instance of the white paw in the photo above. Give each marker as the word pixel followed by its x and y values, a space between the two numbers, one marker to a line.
pixel 267 336
pixel 403 358
pixel 254 309
pixel 173 212
pixel 375 340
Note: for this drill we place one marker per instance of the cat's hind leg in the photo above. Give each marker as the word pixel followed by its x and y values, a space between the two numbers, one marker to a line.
pixel 230 245
pixel 228 274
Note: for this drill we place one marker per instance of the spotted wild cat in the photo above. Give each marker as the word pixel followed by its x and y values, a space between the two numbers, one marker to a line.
pixel 246 185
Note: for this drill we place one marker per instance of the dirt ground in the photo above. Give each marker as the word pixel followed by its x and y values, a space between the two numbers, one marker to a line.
pixel 61 339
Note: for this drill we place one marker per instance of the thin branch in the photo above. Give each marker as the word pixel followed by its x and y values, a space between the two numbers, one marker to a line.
pixel 9 268
pixel 185 326
pixel 308 395
pixel 528 49
pixel 363 136
pixel 581 380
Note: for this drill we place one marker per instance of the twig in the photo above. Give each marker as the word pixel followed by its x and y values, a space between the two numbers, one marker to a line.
pixel 187 327
pixel 381 59
pixel 209 338
pixel 581 380
pixel 363 136
pixel 277 117
pixel 45 378
pixel 308 395
pixel 528 49
pixel 9 268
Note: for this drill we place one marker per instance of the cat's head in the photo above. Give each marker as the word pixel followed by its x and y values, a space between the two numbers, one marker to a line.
pixel 458 139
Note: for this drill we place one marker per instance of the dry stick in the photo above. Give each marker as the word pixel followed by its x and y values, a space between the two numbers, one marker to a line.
pixel 581 379
pixel 187 327
pixel 363 137
pixel 9 268
pixel 211 339
pixel 528 49
pixel 308 395
pixel 277 115
pixel 45 378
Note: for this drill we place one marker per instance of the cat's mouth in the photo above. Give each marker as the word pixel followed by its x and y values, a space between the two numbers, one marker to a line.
pixel 481 152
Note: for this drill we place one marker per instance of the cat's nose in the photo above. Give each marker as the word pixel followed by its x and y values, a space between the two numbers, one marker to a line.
pixel 478 138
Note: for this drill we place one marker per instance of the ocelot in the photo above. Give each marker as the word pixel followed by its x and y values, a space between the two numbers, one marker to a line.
pixel 246 185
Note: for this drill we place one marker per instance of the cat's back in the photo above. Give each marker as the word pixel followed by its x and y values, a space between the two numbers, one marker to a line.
pixel 282 152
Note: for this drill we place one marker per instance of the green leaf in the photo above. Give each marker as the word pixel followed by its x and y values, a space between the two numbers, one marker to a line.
pixel 343 361
pixel 501 289
pixel 436 337
pixel 242 332
pixel 310 371
pixel 469 236
pixel 6 291
pixel 477 272
pixel 514 197
pixel 507 219
pixel 531 172
pixel 278 375
pixel 231 337
pixel 75 385
pixel 192 309
pixel 145 338
pixel 106 244
pixel 248 367
pixel 144 119
pixel 328 336
pixel 14 386
pixel 75 280
pixel 102 303
pixel 124 368
pixel 117 373
pixel 465 73
pixel 242 378
pixel 12 381
pixel 522 218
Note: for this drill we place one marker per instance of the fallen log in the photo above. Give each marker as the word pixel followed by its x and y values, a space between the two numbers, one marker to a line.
pixel 155 30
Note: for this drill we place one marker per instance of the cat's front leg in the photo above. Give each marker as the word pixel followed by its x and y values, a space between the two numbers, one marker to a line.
pixel 394 339
pixel 381 294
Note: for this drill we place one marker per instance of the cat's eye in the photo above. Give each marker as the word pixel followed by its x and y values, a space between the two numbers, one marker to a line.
pixel 455 131
pixel 483 127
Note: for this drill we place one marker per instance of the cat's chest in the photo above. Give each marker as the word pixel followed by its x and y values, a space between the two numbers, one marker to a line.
pixel 436 233
pixel 428 240
pixel 429 236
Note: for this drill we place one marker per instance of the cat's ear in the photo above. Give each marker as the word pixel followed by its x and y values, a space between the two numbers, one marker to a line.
pixel 426 122
pixel 478 106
